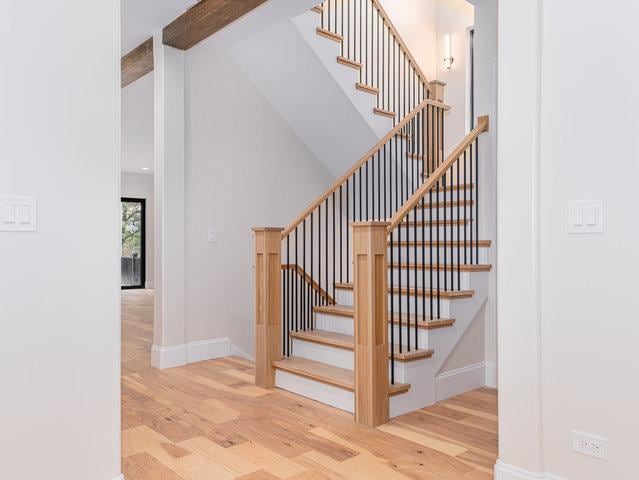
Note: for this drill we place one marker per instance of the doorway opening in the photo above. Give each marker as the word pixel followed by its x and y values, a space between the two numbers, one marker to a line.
pixel 133 254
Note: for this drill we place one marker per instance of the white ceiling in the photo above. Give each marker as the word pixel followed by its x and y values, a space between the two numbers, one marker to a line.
pixel 140 18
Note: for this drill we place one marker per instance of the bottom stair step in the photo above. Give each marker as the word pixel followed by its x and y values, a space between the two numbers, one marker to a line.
pixel 347 342
pixel 328 374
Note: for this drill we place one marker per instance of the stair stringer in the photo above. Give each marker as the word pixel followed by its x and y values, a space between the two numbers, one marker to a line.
pixel 422 374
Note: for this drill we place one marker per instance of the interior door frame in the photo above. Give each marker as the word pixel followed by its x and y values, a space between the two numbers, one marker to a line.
pixel 142 202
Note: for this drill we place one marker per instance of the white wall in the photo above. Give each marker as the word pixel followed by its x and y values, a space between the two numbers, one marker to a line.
pixel 486 104
pixel 137 125
pixel 141 186
pixel 568 351
pixel 59 286
pixel 244 167
pixel 454 17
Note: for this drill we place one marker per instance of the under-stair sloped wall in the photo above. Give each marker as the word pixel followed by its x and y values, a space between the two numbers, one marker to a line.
pixel 296 69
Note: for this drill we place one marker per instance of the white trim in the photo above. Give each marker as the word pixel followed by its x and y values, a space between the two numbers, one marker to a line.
pixel 149 285
pixel 119 477
pixel 207 349
pixel 503 471
pixel 179 355
pixel 460 380
pixel 491 374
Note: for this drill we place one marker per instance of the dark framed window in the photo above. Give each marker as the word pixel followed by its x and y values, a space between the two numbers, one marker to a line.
pixel 133 251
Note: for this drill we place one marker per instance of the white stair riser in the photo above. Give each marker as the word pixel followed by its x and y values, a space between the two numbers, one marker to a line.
pixel 425 255
pixel 333 323
pixel 328 394
pixel 345 297
pixel 338 357
pixel 421 278
pixel 446 233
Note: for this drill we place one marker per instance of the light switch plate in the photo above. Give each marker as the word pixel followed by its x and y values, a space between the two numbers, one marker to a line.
pixel 212 235
pixel 586 216
pixel 18 214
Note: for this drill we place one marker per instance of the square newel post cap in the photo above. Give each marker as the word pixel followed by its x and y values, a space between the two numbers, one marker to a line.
pixel 267 229
pixel 437 89
pixel 370 223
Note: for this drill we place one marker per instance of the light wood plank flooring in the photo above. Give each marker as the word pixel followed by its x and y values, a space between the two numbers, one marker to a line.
pixel 208 421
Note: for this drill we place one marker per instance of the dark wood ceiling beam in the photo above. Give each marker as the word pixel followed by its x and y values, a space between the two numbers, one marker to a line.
pixel 137 63
pixel 204 19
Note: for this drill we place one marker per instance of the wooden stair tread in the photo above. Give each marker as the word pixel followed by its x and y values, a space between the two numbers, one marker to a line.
pixel 328 34
pixel 328 374
pixel 446 204
pixel 461 186
pixel 441 243
pixel 318 9
pixel 334 339
pixel 349 63
pixel 367 88
pixel 420 292
pixel 440 223
pixel 463 268
pixel 347 342
pixel 384 113
pixel 422 322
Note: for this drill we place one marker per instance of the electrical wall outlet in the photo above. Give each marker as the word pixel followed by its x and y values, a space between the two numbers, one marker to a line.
pixel 590 445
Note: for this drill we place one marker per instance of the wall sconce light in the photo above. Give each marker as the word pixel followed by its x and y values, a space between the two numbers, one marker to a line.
pixel 448 57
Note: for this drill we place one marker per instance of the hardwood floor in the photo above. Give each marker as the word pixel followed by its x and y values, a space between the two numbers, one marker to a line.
pixel 208 421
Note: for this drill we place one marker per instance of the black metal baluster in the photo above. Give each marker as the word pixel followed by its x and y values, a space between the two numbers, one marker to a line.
pixel 477 200
pixel 334 250
pixel 392 308
pixel 457 165
pixel 326 251
pixel 296 293
pixel 472 190
pixel 304 289
pixel 348 233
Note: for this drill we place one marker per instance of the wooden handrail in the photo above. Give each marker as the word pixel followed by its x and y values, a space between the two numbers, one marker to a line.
pixel 308 280
pixel 361 162
pixel 401 43
pixel 427 186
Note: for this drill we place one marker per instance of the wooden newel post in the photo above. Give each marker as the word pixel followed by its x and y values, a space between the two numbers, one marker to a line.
pixel 268 307
pixel 371 327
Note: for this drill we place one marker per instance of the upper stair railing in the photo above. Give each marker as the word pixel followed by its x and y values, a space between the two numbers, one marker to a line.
pixel 317 245
pixel 372 44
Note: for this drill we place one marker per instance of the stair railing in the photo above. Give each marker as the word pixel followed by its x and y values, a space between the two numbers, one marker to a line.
pixel 317 245
pixel 371 43
pixel 431 236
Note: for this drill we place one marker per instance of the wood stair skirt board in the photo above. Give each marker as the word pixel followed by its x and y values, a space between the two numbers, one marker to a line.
pixel 347 342
pixel 367 88
pixel 422 323
pixel 329 375
pixel 384 113
pixel 349 63
pixel 420 292
pixel 317 9
pixel 330 35
pixel 426 266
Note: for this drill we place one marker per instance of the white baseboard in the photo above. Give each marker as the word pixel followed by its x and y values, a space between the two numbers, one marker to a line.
pixel 503 471
pixel 207 349
pixel 460 380
pixel 179 355
pixel 491 375
pixel 119 477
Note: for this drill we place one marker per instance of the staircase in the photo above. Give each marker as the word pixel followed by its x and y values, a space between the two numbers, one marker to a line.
pixel 360 301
